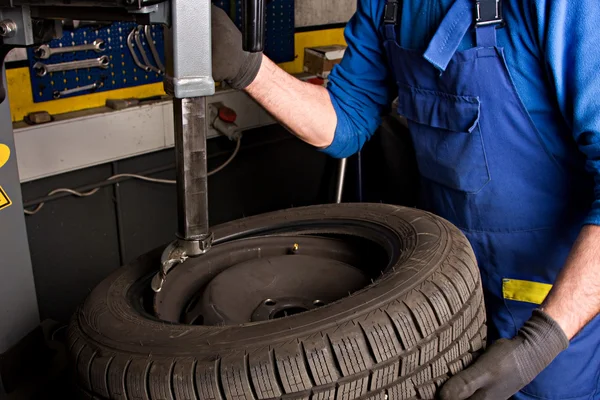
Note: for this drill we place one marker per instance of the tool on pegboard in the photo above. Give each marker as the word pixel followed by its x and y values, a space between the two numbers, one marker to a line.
pixel 135 35
pixel 153 49
pixel 42 69
pixel 44 51
pixel 86 88
pixel 86 43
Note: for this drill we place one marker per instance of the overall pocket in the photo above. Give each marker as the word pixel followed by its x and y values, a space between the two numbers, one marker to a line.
pixel 447 137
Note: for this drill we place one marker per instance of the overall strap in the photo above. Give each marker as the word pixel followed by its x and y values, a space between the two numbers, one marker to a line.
pixel 486 13
pixel 486 36
pixel 391 18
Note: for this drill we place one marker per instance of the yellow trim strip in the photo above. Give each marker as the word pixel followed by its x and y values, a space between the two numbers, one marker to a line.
pixel 21 99
pixel 526 291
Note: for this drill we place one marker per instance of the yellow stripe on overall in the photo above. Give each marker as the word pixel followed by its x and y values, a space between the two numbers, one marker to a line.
pixel 526 291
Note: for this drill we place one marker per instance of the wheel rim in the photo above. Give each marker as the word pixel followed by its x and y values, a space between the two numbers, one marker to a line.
pixel 261 276
pixel 274 287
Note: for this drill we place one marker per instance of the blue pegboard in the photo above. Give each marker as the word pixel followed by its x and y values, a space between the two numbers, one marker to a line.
pixel 279 39
pixel 121 73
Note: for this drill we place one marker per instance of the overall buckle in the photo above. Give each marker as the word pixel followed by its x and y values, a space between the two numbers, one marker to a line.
pixel 390 14
pixel 488 12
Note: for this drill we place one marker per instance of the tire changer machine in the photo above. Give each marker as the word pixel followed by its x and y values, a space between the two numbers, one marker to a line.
pixel 188 80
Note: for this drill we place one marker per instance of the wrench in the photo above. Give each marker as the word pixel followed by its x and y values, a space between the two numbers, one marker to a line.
pixel 140 47
pixel 136 60
pixel 44 51
pixel 57 95
pixel 150 40
pixel 42 69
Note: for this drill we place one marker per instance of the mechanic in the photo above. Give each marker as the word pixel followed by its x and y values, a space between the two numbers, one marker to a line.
pixel 505 121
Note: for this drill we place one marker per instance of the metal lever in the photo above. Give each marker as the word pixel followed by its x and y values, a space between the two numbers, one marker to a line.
pixel 253 25
pixel 189 80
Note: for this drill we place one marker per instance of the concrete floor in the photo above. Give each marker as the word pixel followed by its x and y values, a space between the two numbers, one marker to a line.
pixel 48 376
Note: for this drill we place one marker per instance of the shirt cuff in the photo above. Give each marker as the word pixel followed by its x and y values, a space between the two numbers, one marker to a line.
pixel 593 217
pixel 342 145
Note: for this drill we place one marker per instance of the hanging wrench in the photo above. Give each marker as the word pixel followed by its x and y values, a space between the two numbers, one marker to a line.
pixel 96 85
pixel 42 69
pixel 140 47
pixel 136 60
pixel 150 40
pixel 44 51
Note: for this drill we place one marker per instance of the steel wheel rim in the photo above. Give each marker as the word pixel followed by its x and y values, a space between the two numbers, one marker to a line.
pixel 373 247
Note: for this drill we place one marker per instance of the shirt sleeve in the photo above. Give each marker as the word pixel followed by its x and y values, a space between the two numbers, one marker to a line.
pixel 569 37
pixel 361 86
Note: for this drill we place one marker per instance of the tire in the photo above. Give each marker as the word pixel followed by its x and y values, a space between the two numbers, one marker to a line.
pixel 399 338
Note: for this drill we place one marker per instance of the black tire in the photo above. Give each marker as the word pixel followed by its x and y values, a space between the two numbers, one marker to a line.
pixel 400 338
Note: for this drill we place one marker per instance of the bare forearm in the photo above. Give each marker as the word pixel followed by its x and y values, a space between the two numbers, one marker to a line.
pixel 575 298
pixel 305 109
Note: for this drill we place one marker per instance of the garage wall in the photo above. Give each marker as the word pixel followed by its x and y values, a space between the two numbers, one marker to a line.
pixel 319 12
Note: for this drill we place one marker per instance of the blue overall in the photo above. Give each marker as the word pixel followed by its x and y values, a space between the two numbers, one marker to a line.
pixel 485 169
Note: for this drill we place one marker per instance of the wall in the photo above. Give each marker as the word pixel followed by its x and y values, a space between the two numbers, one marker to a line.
pixel 319 12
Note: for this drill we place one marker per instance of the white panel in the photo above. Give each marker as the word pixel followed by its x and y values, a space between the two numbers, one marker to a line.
pixel 16 54
pixel 63 146
pixel 319 12
pixel 168 125
pixel 67 145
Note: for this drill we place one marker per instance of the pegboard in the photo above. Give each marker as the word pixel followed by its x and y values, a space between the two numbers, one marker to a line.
pixel 121 73
pixel 279 38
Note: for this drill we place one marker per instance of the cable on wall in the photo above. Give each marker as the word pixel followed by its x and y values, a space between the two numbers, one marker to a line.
pixel 133 176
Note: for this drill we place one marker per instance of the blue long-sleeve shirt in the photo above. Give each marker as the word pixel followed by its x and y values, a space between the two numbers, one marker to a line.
pixel 552 50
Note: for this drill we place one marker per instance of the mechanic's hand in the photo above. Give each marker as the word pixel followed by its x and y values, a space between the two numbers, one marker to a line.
pixel 509 365
pixel 230 62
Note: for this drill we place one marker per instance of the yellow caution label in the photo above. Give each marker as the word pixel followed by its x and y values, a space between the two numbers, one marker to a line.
pixel 4 154
pixel 4 200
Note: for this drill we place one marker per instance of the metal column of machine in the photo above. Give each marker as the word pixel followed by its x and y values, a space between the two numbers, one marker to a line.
pixel 189 80
pixel 18 302
pixel 19 313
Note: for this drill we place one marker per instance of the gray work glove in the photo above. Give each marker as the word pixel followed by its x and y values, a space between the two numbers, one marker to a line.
pixel 230 62
pixel 509 365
